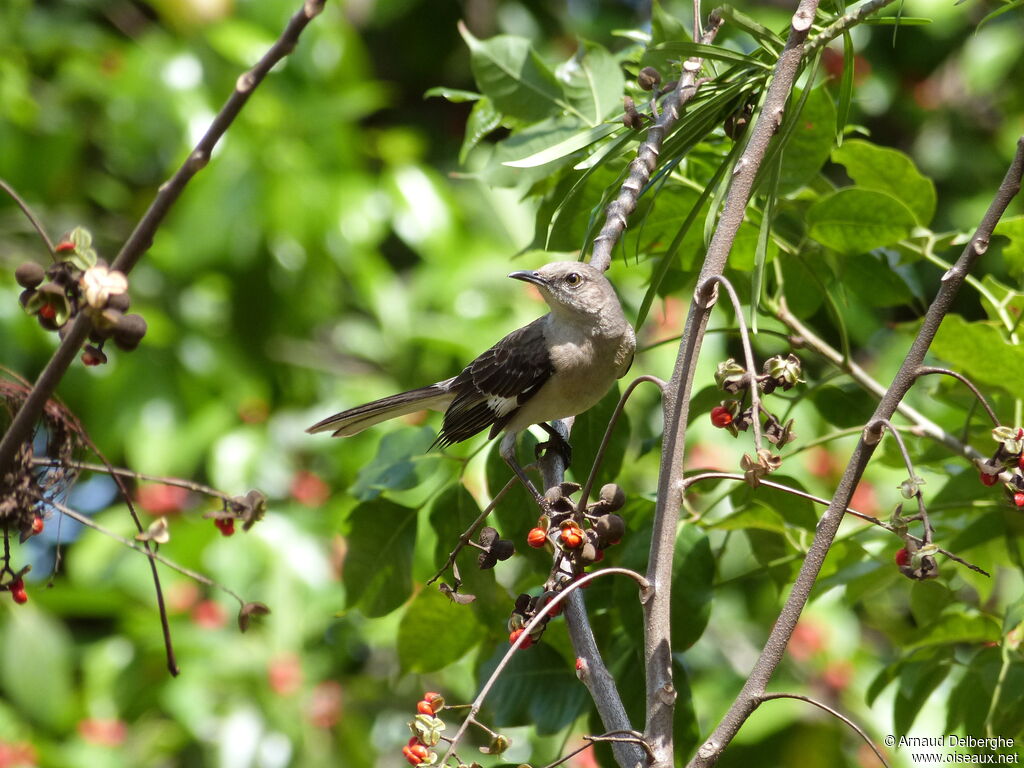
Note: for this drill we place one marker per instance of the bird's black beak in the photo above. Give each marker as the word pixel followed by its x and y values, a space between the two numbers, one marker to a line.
pixel 529 277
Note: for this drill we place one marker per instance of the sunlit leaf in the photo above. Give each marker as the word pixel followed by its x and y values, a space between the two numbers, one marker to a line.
pixel 855 220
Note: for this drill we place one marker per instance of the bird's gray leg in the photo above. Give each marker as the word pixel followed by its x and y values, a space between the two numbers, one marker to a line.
pixel 507 449
pixel 556 443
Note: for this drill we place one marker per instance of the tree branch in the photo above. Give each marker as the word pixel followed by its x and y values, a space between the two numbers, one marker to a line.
pixel 754 688
pixel 142 237
pixel 661 692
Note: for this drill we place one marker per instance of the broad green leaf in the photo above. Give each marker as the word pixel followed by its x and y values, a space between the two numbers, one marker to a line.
pixel 960 627
pixel 435 632
pixel 876 284
pixel 378 567
pixel 35 666
pixel 483 119
pixel 1013 252
pixel 809 142
pixel 530 141
pixel 927 599
pixel 401 463
pixel 593 82
pixel 513 76
pixel 843 405
pixel 980 351
pixel 693 572
pixel 918 680
pixel 538 688
pixel 853 220
pixel 891 171
pixel 565 147
pixel 454 95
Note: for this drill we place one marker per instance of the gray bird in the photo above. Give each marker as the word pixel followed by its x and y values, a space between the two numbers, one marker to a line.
pixel 558 366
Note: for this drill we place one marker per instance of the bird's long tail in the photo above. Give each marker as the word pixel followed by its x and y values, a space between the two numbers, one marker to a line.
pixel 435 397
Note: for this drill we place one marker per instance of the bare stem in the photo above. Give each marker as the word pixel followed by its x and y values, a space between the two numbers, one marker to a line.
pixel 835 713
pixel 926 370
pixel 36 224
pixel 464 539
pixel 177 482
pixel 646 160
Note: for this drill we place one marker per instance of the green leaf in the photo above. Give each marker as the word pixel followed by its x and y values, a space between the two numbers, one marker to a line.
pixel 980 352
pixel 1013 253
pixel 868 277
pixel 593 82
pixel 35 667
pixel 693 572
pixel 927 600
pixel 454 95
pixel 530 141
pixel 378 567
pixel 1000 11
pixel 843 406
pixel 537 688
pixel 401 463
pixel 483 119
pixel 809 142
pixel 900 21
pixel 853 220
pixel 687 50
pixel 959 627
pixel 845 88
pixel 564 147
pixel 918 679
pixel 513 76
pixel 435 632
pixel 888 170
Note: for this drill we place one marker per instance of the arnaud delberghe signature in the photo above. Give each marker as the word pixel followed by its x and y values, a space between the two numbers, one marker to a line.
pixel 952 740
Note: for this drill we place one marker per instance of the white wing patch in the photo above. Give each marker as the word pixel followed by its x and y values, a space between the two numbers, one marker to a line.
pixel 500 406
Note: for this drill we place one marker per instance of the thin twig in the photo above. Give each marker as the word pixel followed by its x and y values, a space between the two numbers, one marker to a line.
pixel 870 433
pixel 640 170
pixel 141 238
pixel 464 539
pixel 151 554
pixel 748 355
pixel 599 457
pixel 549 606
pixel 177 482
pixel 845 23
pixel 36 224
pixel 835 713
pixel 926 370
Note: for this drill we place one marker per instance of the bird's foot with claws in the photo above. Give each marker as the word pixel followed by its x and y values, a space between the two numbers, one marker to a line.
pixel 558 444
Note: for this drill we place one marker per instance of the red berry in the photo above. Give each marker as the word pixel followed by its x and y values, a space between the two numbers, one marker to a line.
pixel 572 540
pixel 987 479
pixel 37 525
pixel 410 756
pixel 537 538
pixel 424 708
pixel 412 742
pixel 18 591
pixel 1020 462
pixel 527 642
pixel 47 311
pixel 431 695
pixel 1018 499
pixel 420 751
pixel 90 359
pixel 226 526
pixel 64 246
pixel 902 557
pixel 720 416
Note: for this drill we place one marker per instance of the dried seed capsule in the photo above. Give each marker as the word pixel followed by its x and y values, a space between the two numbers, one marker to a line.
pixel 648 78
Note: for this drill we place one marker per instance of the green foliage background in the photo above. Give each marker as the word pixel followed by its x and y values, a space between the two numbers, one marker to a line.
pixel 336 250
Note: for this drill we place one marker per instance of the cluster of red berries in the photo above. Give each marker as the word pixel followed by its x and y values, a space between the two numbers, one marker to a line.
pixel 426 728
pixel 17 590
pixel 247 509
pixel 778 373
pixel 1006 464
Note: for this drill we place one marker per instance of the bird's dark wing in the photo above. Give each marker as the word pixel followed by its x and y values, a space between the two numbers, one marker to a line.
pixel 493 387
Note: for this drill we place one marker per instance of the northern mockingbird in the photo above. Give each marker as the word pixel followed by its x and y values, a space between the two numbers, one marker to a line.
pixel 557 366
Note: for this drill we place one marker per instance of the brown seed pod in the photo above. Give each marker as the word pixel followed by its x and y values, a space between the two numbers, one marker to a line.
pixel 648 78
pixel 29 274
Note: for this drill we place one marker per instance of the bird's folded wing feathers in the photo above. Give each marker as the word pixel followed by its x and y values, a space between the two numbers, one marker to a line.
pixel 493 387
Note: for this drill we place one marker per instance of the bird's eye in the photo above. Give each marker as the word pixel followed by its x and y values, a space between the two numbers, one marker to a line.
pixel 573 279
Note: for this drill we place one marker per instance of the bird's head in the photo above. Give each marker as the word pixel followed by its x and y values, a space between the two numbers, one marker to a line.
pixel 572 286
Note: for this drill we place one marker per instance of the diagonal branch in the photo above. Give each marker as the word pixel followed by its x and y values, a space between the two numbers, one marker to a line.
pixel 142 237
pixel 754 688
